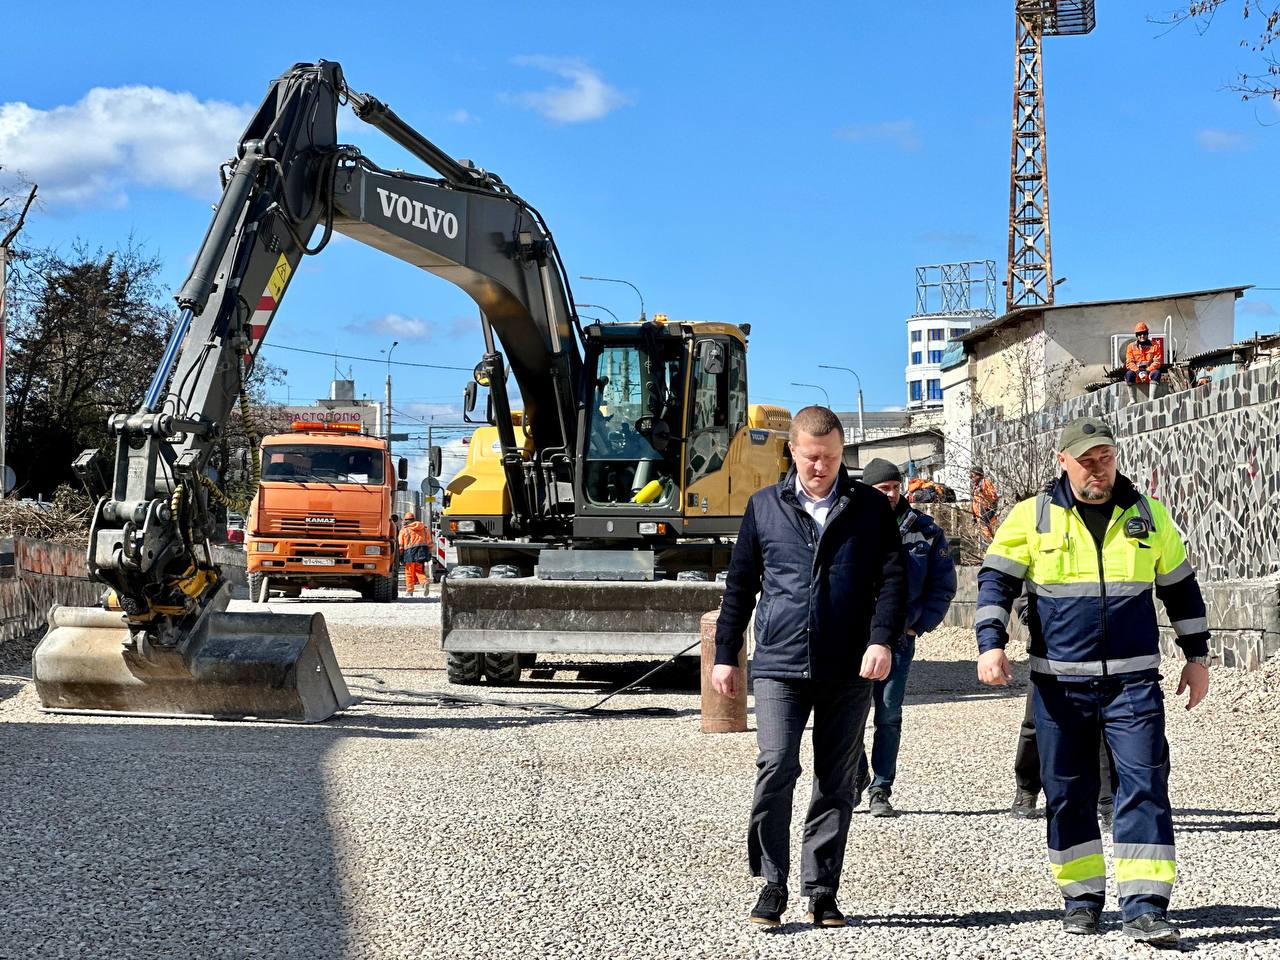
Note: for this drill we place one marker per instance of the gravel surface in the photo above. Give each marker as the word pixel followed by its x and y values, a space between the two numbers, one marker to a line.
pixel 418 830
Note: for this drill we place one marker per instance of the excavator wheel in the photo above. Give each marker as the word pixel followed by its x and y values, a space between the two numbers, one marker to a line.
pixel 503 669
pixel 465 668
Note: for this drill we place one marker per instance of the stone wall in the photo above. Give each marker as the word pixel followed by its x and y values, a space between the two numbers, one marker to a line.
pixel 1244 618
pixel 36 575
pixel 1211 454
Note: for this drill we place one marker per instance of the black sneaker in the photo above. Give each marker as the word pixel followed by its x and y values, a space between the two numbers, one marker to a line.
pixel 1024 806
pixel 1081 920
pixel 1152 929
pixel 880 805
pixel 823 911
pixel 769 907
pixel 859 788
pixel 1106 814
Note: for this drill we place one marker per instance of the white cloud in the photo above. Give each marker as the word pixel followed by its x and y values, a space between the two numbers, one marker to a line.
pixel 1257 308
pixel 1223 141
pixel 587 97
pixel 394 325
pixel 91 152
pixel 899 133
pixel 461 116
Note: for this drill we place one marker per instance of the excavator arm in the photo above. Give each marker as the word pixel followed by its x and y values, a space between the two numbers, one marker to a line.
pixel 290 179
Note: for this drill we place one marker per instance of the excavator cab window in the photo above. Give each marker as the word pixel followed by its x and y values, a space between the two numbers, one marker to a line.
pixel 636 403
pixel 719 404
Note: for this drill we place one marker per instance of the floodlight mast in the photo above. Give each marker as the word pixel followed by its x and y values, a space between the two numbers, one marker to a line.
pixel 1029 281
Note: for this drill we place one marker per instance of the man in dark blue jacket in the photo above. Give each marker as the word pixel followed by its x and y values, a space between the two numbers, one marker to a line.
pixel 824 554
pixel 931 583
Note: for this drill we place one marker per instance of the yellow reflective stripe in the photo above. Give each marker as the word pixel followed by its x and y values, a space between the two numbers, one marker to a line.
pixel 1079 870
pixel 1129 869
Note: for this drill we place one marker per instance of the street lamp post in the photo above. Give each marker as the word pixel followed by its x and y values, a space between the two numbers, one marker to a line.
pixel 596 306
pixel 386 417
pixel 826 396
pixel 628 283
pixel 862 430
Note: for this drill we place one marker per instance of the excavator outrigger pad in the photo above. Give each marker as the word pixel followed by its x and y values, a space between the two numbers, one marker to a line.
pixel 228 666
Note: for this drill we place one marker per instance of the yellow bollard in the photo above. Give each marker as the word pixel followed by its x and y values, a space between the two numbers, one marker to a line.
pixel 721 714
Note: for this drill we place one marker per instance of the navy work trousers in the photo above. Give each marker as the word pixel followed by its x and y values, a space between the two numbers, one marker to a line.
pixel 1129 712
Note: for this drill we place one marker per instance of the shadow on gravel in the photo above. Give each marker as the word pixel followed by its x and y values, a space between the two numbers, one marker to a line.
pixel 1190 820
pixel 379 724
pixel 946 681
pixel 156 839
pixel 10 688
pixel 1249 923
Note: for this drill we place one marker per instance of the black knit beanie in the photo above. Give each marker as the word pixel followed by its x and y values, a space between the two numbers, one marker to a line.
pixel 880 471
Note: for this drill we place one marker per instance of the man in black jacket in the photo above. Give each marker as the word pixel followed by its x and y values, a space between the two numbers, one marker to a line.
pixel 931 584
pixel 825 556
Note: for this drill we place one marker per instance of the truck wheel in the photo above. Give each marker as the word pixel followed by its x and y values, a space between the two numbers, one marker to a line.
pixel 255 587
pixel 502 669
pixel 384 589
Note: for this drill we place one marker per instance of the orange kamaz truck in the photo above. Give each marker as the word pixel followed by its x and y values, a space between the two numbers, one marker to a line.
pixel 323 516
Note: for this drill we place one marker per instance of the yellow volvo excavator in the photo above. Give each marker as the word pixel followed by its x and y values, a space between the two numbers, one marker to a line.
pixel 628 464
pixel 667 451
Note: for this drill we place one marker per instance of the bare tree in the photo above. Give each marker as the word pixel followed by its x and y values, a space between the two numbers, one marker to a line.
pixel 86 330
pixel 1013 438
pixel 1264 20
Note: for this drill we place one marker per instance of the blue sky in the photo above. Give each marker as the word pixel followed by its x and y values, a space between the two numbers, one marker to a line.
pixel 787 169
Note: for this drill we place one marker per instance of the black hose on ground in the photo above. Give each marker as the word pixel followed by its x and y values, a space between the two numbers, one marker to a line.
pixel 421 698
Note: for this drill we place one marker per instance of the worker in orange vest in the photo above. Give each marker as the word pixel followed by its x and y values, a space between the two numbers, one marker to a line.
pixel 1143 357
pixel 986 503
pixel 414 553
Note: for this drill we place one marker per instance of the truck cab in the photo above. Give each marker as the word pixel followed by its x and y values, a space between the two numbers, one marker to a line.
pixel 322 516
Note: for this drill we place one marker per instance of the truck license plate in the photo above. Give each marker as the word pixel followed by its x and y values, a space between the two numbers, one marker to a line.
pixel 317 561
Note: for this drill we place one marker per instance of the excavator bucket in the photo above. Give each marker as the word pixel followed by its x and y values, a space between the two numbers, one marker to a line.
pixel 229 666
pixel 530 615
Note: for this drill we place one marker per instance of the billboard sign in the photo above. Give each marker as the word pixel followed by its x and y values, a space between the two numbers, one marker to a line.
pixel 366 417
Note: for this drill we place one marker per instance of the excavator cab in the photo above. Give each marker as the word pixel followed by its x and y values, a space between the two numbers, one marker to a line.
pixel 635 420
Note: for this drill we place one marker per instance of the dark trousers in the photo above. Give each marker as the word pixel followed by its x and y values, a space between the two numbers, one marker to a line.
pixel 1129 713
pixel 887 714
pixel 1026 761
pixel 839 714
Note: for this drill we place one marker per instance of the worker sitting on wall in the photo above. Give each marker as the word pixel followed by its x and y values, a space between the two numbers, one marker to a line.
pixel 1143 357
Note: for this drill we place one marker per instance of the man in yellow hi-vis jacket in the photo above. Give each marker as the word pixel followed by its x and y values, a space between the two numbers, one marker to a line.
pixel 1092 550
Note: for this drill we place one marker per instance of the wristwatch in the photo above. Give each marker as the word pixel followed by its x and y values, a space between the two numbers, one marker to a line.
pixel 1202 661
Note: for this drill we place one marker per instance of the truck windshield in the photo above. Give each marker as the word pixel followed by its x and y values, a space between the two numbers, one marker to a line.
pixel 326 464
pixel 636 416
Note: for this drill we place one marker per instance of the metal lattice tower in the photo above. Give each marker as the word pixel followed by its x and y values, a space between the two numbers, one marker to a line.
pixel 1030 277
pixel 963 289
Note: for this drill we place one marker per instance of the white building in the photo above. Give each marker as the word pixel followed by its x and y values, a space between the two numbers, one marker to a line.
pixel 927 338
pixel 951 298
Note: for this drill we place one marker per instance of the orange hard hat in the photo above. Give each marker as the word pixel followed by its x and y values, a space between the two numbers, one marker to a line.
pixel 1140 328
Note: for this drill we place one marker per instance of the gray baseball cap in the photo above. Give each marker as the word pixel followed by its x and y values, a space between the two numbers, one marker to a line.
pixel 1084 434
